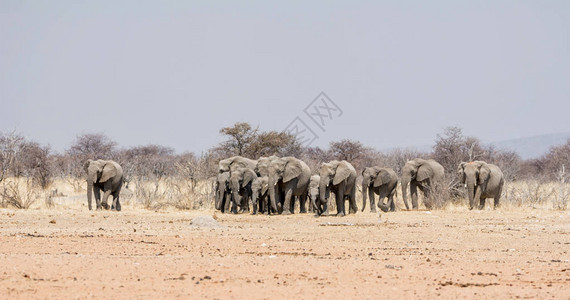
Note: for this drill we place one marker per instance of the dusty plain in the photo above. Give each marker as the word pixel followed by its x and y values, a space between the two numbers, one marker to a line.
pixel 141 254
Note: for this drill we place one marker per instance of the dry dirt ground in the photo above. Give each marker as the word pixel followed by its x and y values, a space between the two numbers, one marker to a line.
pixel 407 254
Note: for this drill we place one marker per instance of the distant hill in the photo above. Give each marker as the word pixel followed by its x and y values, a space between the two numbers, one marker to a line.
pixel 533 146
pixel 527 147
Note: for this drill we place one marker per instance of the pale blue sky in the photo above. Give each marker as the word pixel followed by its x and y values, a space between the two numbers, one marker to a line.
pixel 175 72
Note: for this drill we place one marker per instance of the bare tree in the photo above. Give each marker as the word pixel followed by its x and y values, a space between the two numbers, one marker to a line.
pixel 397 158
pixel 273 143
pixel 11 145
pixel 35 163
pixel 94 146
pixel 240 136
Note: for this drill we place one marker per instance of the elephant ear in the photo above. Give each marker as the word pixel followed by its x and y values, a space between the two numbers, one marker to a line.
pixel 342 173
pixel 460 171
pixel 484 173
pixel 460 167
pixel 86 165
pixel 382 178
pixel 109 171
pixel 424 172
pixel 292 170
pixel 248 176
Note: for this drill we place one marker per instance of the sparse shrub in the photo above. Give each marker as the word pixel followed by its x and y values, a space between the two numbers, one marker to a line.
pixel 20 194
pixel 532 193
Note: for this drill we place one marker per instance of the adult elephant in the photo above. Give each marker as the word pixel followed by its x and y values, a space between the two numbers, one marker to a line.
pixel 380 181
pixel 240 184
pixel 106 176
pixel 288 178
pixel 262 170
pixel 423 174
pixel 482 181
pixel 340 178
pixel 223 192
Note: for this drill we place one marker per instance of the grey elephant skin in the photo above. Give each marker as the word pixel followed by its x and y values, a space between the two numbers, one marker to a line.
pixel 382 182
pixel 340 178
pixel 259 194
pixel 234 162
pixel 240 184
pixel 223 192
pixel 262 170
pixel 421 174
pixel 320 207
pixel 228 165
pixel 482 181
pixel 288 178
pixel 106 176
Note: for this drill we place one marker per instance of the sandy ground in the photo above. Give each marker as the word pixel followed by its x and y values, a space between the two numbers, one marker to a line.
pixel 142 254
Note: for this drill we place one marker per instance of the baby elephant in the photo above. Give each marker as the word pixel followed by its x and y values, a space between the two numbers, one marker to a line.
pixel 320 207
pixel 259 188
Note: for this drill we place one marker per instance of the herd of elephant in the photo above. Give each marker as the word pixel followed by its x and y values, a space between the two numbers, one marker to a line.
pixel 273 185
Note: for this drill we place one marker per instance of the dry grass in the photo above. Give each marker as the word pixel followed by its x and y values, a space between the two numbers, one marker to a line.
pixel 22 193
pixel 176 193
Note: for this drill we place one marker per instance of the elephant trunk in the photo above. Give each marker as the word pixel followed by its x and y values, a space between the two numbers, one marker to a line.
pixel 324 190
pixel 405 181
pixel 235 192
pixel 471 191
pixel 314 203
pixel 273 192
pixel 89 193
pixel 364 194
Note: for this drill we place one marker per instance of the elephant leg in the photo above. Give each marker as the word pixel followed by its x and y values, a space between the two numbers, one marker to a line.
pixel 281 199
pixel 497 197
pixel 372 201
pixel 353 207
pixel 234 208
pixel 339 195
pixel 240 202
pixel 267 205
pixel 116 202
pixel 245 201
pixel 325 209
pixel 97 193
pixel 227 202
pixel 104 202
pixel 302 204
pixel 414 195
pixel 254 206
pixel 261 204
pixel 428 198
pixel 287 202
pixel 482 203
pixel 391 202
pixel 383 207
